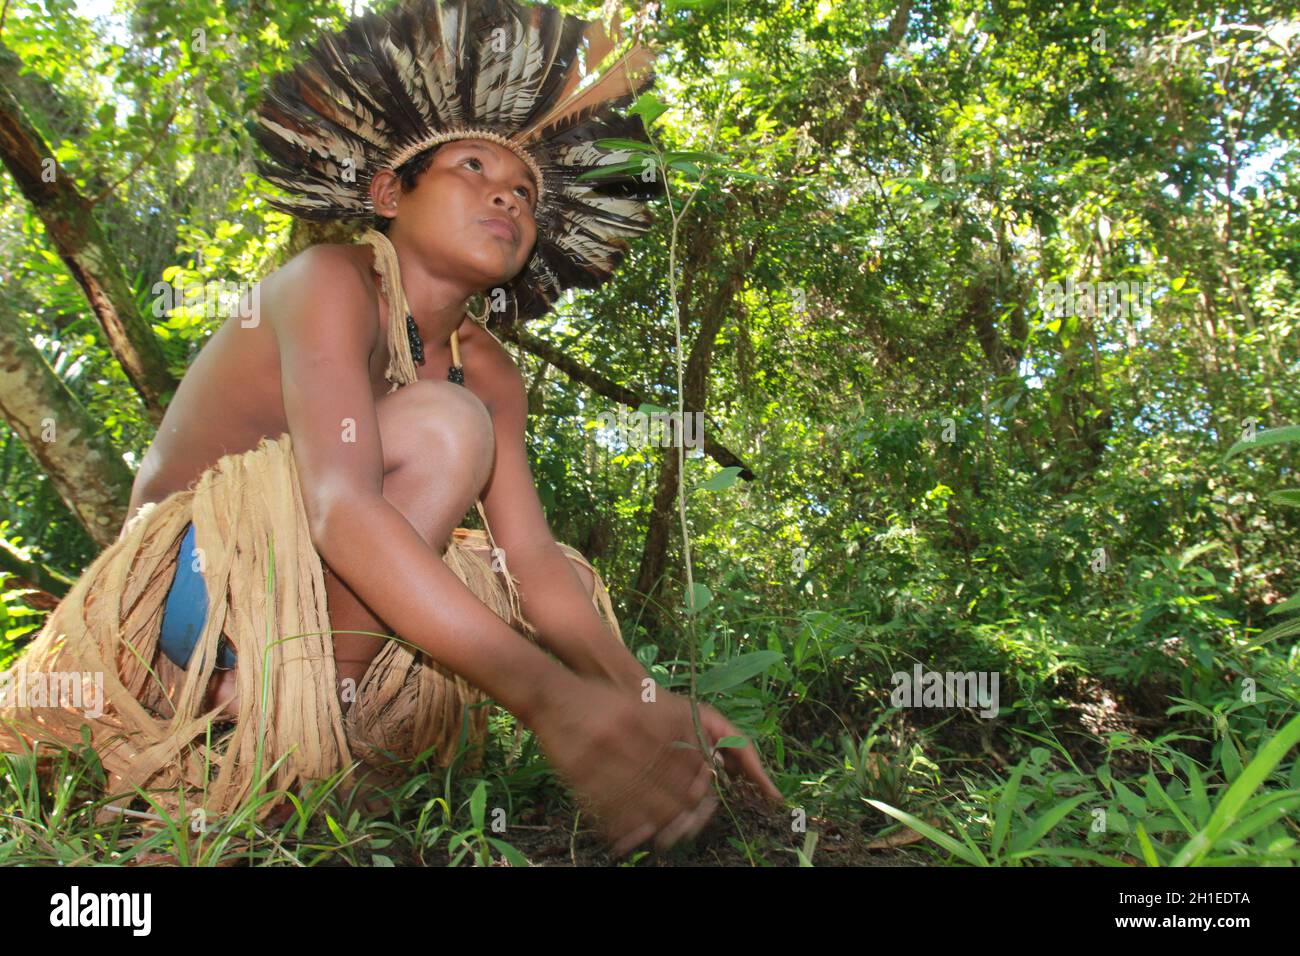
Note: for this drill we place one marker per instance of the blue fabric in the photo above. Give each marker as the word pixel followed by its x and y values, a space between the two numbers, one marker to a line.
pixel 186 611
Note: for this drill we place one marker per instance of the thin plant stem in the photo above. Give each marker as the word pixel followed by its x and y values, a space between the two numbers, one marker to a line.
pixel 677 217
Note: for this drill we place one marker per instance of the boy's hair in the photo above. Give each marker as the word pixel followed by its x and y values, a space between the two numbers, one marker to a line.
pixel 407 175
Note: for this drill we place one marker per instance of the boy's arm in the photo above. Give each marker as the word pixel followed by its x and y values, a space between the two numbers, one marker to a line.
pixel 326 323
pixel 615 751
pixel 553 597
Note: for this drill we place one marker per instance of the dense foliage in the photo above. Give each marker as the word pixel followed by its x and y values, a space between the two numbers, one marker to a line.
pixel 965 455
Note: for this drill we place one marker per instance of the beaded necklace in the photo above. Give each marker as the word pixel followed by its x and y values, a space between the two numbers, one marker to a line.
pixel 405 350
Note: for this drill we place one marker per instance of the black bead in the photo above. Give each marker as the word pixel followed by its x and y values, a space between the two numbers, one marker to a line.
pixel 413 337
pixel 456 374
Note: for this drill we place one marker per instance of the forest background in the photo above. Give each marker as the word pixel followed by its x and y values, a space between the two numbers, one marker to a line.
pixel 991 312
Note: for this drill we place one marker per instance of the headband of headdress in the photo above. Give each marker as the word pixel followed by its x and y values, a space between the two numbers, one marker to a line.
pixel 391 85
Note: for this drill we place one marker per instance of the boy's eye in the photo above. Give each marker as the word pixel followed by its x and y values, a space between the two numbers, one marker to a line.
pixel 527 193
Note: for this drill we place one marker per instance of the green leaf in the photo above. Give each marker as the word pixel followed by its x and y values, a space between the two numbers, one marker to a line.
pixel 722 480
pixel 1006 805
pixel 1269 436
pixel 510 853
pixel 1163 795
pixel 702 597
pixel 649 107
pixel 964 853
pixel 1232 802
pixel 805 853
pixel 1069 853
pixel 1196 794
pixel 613 170
pixel 1130 801
pixel 1229 758
pixel 1286 496
pixel 1270 809
pixel 1290 604
pixel 1148 851
pixel 1045 823
pixel 735 671
pixel 1285 629
pixel 628 145
pixel 478 804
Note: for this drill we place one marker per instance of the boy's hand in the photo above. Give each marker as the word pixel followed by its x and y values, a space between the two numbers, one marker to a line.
pixel 635 765
pixel 738 761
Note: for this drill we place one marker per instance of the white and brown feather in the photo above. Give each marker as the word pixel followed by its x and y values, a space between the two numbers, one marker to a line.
pixel 389 80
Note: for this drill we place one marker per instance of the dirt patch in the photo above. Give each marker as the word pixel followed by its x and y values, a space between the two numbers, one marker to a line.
pixel 746 831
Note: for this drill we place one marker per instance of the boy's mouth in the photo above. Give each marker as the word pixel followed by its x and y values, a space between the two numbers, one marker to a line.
pixel 502 227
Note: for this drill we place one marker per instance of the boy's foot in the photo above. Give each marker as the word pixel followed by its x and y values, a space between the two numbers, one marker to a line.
pixel 223 689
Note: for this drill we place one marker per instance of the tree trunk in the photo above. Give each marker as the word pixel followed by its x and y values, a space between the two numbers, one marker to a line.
pixel 66 442
pixel 75 234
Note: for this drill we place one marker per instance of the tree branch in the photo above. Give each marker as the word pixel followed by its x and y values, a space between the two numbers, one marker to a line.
pixel 610 389
pixel 75 234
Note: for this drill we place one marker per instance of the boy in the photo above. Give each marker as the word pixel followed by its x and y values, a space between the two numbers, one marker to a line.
pixel 457 129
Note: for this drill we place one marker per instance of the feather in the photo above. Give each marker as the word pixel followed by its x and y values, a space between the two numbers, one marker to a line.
pixel 546 83
pixel 618 82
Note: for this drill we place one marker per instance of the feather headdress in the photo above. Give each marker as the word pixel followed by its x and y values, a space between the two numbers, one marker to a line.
pixel 391 85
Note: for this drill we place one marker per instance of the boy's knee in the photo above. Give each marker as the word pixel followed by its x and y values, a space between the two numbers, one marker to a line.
pixel 437 425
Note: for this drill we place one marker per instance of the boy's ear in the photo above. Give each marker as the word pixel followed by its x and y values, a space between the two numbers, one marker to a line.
pixel 385 188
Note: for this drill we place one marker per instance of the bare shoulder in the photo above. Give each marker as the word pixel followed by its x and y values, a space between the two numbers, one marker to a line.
pixel 497 379
pixel 326 284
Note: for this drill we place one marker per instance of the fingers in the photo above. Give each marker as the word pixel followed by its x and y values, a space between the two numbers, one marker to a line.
pixel 680 812
pixel 687 825
pixel 742 760
pixel 752 768
pixel 674 781
pixel 701 804
pixel 670 798
pixel 634 839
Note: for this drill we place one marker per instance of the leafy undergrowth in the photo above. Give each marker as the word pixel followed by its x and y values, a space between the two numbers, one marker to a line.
pixel 895 796
pixel 1148 723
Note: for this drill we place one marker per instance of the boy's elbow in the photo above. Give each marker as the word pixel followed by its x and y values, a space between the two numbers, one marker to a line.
pixel 330 511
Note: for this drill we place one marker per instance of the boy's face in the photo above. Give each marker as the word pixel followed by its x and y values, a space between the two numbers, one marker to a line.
pixel 447 216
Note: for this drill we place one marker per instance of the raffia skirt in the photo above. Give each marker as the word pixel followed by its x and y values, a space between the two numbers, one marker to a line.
pixel 266 593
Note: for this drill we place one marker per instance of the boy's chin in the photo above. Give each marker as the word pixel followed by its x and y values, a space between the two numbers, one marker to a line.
pixel 504 279
pixel 494 273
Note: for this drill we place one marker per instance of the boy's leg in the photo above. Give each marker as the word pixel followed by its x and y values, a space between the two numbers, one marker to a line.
pixel 438 450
